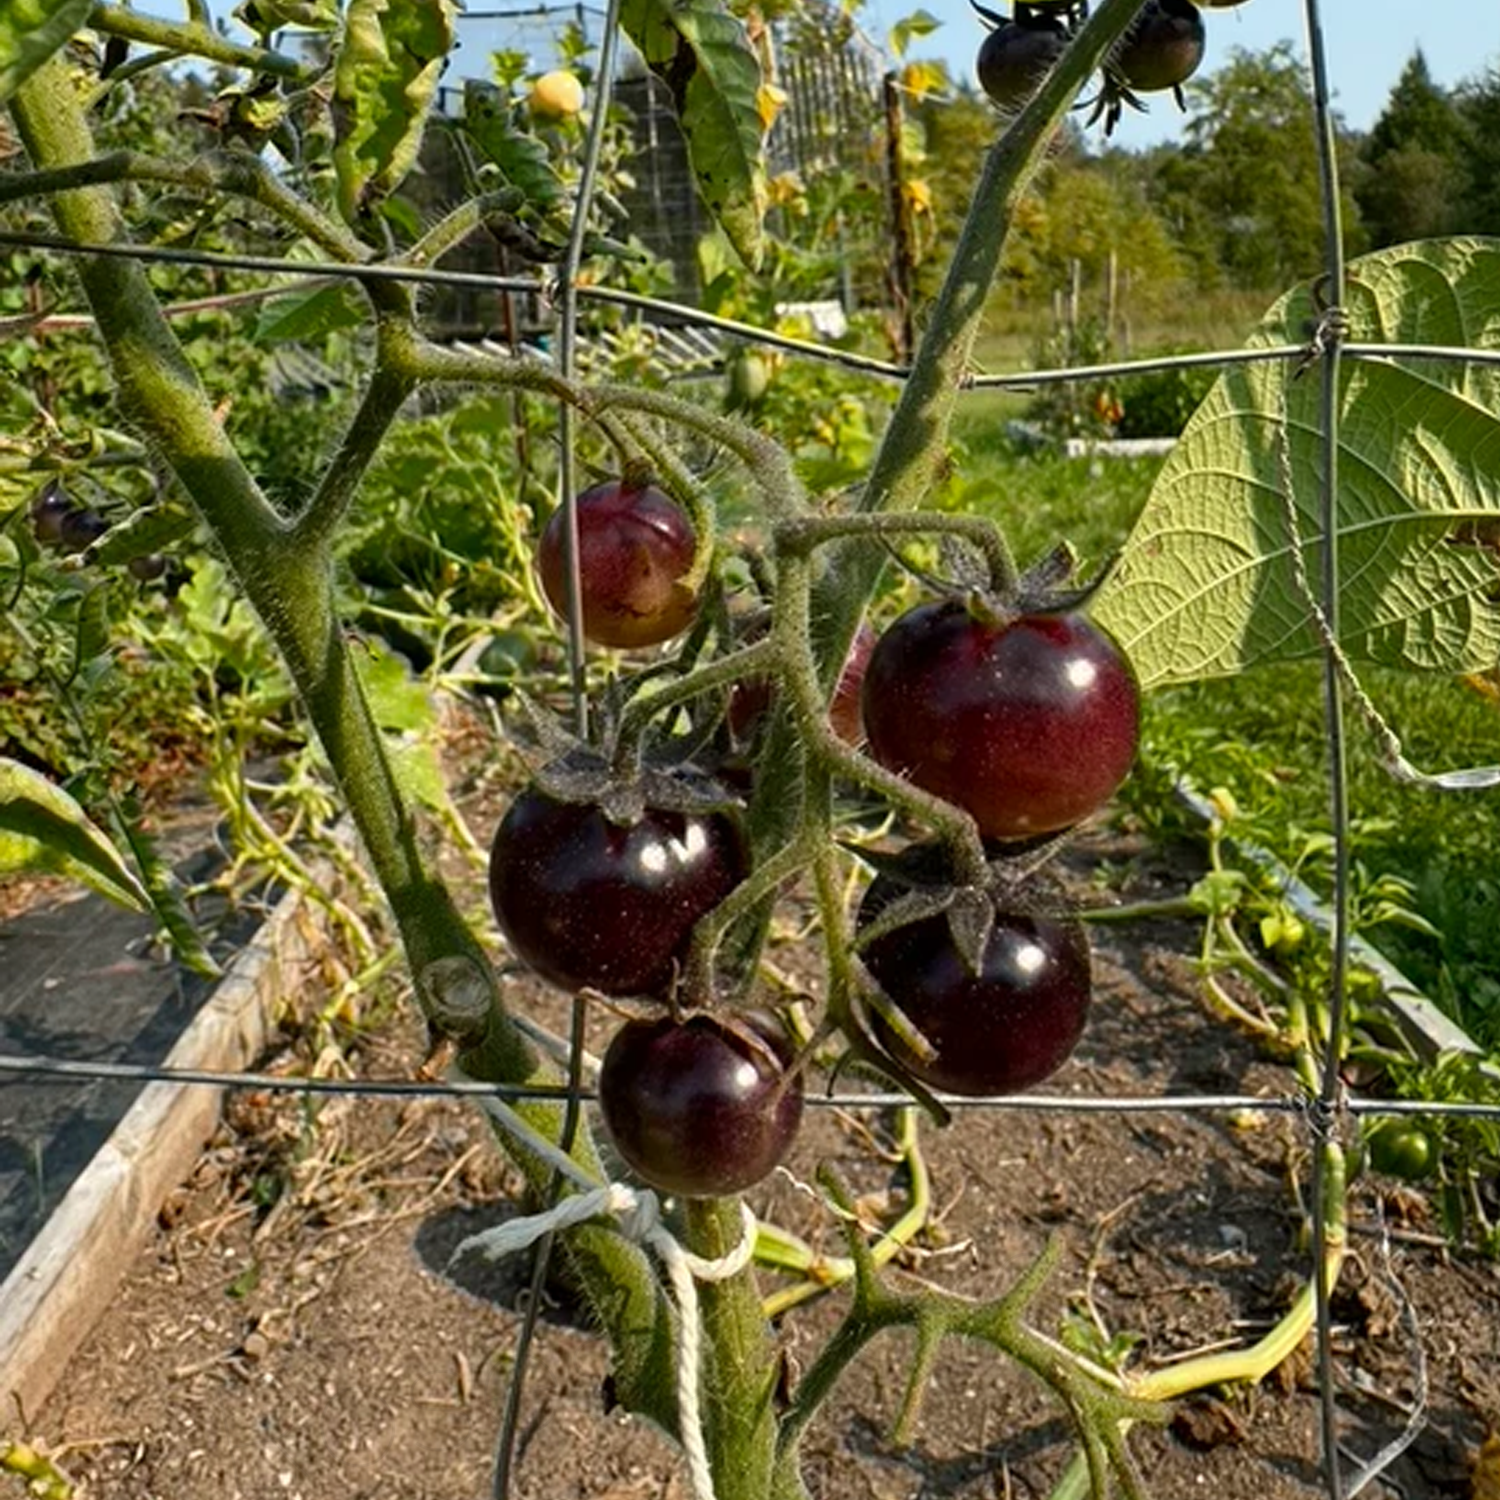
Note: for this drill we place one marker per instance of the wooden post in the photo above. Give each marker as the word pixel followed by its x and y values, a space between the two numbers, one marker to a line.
pixel 903 260
pixel 1111 289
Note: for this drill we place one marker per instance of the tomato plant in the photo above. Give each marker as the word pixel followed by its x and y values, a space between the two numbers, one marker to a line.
pixel 588 902
pixel 635 554
pixel 701 1106
pixel 1029 723
pixel 990 715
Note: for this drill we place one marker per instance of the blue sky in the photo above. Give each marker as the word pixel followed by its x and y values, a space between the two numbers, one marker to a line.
pixel 1367 41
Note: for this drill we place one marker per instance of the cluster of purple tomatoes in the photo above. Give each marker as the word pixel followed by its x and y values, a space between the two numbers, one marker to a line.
pixel 1027 721
pixel 1160 50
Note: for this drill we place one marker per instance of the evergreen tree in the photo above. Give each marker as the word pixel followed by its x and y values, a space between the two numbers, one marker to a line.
pixel 1479 149
pixel 1413 160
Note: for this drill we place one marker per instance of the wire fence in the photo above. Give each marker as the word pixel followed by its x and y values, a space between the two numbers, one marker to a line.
pixel 32 1065
pixel 1316 1109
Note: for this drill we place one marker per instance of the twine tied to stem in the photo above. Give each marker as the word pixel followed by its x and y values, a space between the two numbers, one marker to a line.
pixel 639 1213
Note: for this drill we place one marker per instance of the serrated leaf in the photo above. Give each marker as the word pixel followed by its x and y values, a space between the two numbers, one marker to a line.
pixel 701 53
pixel 30 32
pixel 520 158
pixel 419 773
pixel 307 316
pixel 385 78
pixel 43 831
pixel 1205 586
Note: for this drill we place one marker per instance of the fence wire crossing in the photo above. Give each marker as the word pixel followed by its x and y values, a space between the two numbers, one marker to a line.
pixel 1319 1111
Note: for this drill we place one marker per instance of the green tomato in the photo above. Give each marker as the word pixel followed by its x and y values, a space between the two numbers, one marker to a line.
pixel 1402 1150
pixel 749 379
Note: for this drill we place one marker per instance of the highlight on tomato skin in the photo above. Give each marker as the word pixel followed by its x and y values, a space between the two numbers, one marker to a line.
pixel 588 903
pixel 1002 1030
pixel 636 548
pixel 1030 723
pixel 701 1107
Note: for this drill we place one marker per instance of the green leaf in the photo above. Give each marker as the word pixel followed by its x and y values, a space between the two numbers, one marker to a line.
pixel 150 529
pixel 701 53
pixel 521 159
pixel 385 79
pixel 43 831
pixel 1205 586
pixel 30 32
pixel 397 700
pixel 164 892
pixel 307 316
pixel 91 641
pixel 266 16
pixel 919 23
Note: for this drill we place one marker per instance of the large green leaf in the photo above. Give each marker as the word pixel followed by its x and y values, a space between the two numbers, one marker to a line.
pixel 43 831
pixel 390 59
pixel 30 32
pixel 1206 586
pixel 701 53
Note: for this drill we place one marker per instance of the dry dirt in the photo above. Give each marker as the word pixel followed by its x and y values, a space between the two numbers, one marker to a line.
pixel 292 1332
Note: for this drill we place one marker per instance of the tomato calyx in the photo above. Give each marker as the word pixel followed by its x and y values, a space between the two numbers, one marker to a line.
pixel 623 782
pixel 917 883
pixel 1047 587
pixel 585 776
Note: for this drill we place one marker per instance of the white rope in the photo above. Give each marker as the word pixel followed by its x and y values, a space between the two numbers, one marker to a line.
pixel 639 1212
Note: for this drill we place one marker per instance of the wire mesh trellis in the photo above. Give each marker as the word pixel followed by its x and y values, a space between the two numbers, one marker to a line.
pixel 1321 1112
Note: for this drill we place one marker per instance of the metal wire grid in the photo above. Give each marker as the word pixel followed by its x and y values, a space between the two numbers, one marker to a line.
pixel 1316 1112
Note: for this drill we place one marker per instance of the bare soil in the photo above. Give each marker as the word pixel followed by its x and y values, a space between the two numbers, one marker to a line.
pixel 293 1332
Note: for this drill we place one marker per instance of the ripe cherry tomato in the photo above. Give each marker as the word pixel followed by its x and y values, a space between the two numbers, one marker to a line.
pixel 1016 56
pixel 701 1107
pixel 1029 724
pixel 998 1031
pixel 588 902
pixel 635 548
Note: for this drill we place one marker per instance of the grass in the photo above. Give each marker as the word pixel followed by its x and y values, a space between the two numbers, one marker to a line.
pixel 1203 320
pixel 1261 735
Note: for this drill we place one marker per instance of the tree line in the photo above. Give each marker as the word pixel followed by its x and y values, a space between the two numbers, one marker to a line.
pixel 1235 203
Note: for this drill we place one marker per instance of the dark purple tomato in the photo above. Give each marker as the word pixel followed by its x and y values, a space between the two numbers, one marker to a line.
pixel 999 1031
pixel 699 1107
pixel 635 548
pixel 590 903
pixel 1029 724
pixel 1016 56
pixel 48 512
pixel 1162 48
pixel 845 708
